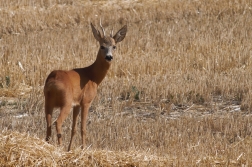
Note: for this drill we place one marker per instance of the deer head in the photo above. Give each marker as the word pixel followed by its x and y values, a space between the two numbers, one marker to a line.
pixel 108 43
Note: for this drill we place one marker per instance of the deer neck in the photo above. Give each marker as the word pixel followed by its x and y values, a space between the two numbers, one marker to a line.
pixel 99 69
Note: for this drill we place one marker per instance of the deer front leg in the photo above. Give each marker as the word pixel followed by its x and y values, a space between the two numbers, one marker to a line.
pixel 84 115
pixel 76 111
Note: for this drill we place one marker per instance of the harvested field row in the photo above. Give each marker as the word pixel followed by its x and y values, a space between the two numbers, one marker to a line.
pixel 23 150
pixel 178 92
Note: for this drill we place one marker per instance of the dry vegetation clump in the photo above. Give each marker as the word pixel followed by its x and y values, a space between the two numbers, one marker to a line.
pixel 179 86
pixel 182 142
pixel 23 150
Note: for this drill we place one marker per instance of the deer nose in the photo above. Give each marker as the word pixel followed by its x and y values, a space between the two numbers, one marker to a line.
pixel 109 57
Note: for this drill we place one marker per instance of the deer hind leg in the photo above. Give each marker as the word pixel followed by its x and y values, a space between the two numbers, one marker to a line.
pixel 76 111
pixel 84 115
pixel 48 115
pixel 64 112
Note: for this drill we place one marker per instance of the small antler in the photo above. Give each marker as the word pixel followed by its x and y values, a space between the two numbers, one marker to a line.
pixel 111 33
pixel 102 29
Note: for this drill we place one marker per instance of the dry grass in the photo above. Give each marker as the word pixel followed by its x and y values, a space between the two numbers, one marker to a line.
pixel 179 87
pixel 22 150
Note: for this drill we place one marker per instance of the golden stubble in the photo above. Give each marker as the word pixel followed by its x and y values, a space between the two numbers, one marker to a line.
pixel 176 87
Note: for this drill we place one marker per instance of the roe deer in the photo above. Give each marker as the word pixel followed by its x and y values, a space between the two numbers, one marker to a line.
pixel 78 87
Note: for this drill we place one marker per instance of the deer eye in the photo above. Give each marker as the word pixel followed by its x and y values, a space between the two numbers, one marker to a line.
pixel 102 47
pixel 114 47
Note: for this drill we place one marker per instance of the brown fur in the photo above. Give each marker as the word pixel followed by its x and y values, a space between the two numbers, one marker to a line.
pixel 77 88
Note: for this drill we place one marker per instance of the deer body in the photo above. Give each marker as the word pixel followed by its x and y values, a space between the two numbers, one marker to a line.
pixel 78 87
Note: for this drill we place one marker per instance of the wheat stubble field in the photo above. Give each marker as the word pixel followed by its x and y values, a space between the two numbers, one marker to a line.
pixel 178 92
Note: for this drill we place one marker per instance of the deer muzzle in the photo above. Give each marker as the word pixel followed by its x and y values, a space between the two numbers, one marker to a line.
pixel 109 57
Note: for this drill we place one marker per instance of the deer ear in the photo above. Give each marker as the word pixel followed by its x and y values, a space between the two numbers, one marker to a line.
pixel 96 33
pixel 119 36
